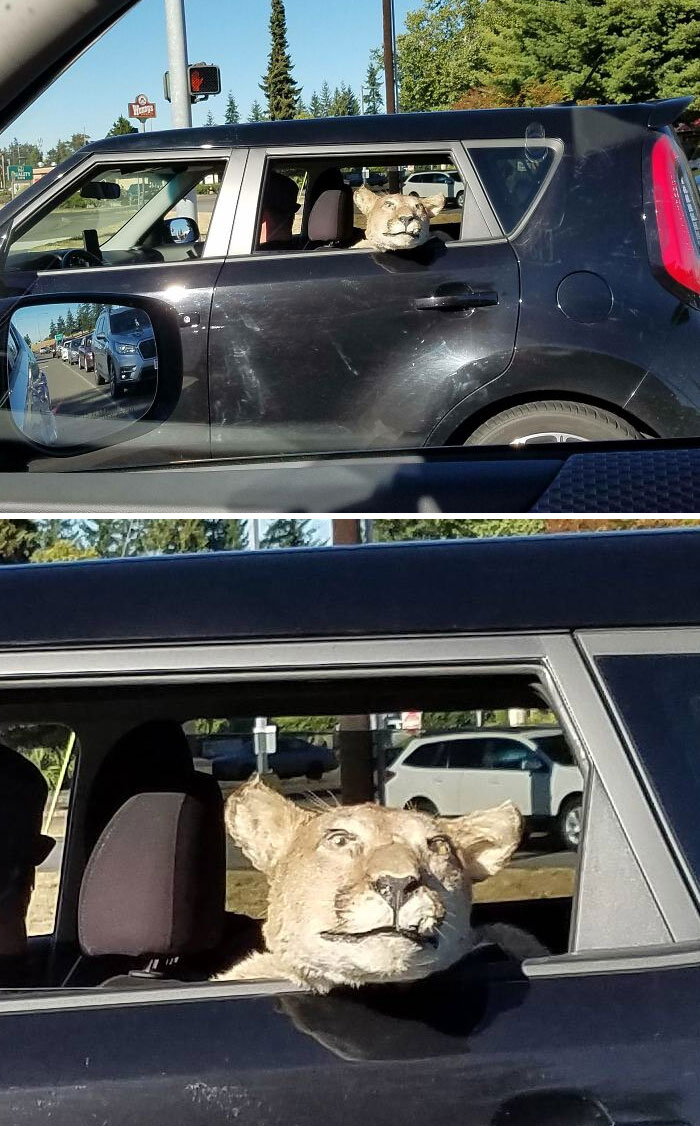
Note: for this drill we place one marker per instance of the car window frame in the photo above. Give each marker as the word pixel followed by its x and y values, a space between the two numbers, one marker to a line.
pixel 243 235
pixel 554 659
pixel 220 228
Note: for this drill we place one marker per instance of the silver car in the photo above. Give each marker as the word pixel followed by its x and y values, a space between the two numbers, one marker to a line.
pixel 124 349
pixel 28 394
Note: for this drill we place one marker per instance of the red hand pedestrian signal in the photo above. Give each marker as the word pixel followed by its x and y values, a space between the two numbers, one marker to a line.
pixel 204 80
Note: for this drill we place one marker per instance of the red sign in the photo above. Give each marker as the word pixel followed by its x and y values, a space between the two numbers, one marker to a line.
pixel 411 721
pixel 142 107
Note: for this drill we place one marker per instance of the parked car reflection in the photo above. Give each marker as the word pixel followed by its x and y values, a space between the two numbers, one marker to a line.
pixel 28 391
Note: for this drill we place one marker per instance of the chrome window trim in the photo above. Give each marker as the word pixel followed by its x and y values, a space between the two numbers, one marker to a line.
pixel 235 165
pixel 581 695
pixel 243 235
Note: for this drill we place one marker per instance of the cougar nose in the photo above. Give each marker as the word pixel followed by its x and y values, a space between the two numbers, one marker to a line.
pixel 396 889
pixel 406 219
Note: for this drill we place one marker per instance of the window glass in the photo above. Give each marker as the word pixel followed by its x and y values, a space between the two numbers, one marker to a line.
pixel 40 791
pixel 123 209
pixel 430 754
pixel 555 747
pixel 658 696
pixel 466 754
pixel 512 178
pixel 297 214
pixel 506 754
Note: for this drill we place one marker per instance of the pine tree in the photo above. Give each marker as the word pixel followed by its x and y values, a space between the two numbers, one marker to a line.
pixel 232 115
pixel 70 321
pixel 325 99
pixel 344 103
pixel 121 127
pixel 289 533
pixel 315 107
pixel 53 329
pixel 18 540
pixel 373 91
pixel 209 120
pixel 278 86
pixel 256 112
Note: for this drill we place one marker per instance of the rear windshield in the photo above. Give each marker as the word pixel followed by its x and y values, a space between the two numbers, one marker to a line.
pixel 511 178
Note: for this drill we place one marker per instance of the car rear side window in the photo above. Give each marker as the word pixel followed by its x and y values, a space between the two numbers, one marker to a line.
pixel 467 754
pixel 430 754
pixel 658 697
pixel 511 178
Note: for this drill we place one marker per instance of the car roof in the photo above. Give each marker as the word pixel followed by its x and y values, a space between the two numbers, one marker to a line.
pixel 458 586
pixel 481 732
pixel 442 126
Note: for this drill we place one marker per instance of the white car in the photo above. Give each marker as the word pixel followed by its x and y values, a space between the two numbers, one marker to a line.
pixel 469 770
pixel 434 181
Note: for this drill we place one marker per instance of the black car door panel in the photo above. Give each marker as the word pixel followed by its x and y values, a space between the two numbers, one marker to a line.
pixel 475 1052
pixel 318 350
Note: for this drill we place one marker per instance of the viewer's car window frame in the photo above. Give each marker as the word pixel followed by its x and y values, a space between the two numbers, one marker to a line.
pixel 218 236
pixel 551 659
pixel 245 225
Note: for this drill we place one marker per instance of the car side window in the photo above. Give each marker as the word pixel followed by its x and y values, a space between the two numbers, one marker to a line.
pixel 658 697
pixel 466 754
pixel 118 211
pixel 312 204
pixel 430 754
pixel 506 754
pixel 511 178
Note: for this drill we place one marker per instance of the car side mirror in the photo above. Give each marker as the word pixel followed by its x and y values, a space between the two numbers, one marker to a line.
pixel 181 231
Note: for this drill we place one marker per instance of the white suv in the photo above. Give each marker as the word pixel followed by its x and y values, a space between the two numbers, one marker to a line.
pixel 465 771
pixel 434 181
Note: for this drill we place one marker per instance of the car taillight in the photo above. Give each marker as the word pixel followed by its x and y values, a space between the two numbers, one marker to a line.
pixel 677 213
pixel 389 774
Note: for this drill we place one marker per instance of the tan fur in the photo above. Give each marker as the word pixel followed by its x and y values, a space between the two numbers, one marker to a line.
pixel 396 222
pixel 332 919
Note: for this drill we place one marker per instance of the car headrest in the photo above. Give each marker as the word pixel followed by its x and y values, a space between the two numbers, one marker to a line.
pixel 331 218
pixel 155 883
pixel 327 180
pixel 154 756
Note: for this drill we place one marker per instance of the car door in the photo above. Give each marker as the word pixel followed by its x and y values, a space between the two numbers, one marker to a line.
pixel 180 286
pixel 507 773
pixel 337 349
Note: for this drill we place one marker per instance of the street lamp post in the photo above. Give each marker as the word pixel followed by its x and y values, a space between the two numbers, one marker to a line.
pixel 389 55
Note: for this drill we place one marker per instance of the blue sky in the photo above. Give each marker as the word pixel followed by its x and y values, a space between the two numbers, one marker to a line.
pixel 327 39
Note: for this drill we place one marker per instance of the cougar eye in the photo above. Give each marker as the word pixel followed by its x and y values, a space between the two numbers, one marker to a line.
pixel 389 203
pixel 441 846
pixel 338 838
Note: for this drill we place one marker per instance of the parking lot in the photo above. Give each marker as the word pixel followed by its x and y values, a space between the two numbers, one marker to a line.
pixel 84 409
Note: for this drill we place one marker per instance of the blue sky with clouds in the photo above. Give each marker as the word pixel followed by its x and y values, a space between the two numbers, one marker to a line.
pixel 327 39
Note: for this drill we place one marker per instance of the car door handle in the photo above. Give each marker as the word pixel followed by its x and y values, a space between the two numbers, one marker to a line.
pixel 467 299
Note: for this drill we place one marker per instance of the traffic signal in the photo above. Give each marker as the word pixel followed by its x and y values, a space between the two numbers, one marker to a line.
pixel 204 80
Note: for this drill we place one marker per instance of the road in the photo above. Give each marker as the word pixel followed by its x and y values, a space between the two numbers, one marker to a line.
pixel 84 411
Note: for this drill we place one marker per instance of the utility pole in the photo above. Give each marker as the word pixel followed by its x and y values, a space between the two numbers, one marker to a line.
pixel 389 60
pixel 180 104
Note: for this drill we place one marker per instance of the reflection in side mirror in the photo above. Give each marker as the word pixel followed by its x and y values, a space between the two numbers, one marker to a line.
pixel 181 230
pixel 78 373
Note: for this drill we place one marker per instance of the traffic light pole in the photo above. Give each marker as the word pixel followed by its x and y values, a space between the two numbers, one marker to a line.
pixel 180 104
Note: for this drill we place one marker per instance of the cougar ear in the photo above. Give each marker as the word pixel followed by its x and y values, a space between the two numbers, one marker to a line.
pixel 365 199
pixel 263 823
pixel 486 840
pixel 434 204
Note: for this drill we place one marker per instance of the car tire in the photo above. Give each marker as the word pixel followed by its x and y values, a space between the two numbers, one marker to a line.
pixel 315 773
pixel 414 194
pixel 554 420
pixel 568 829
pixel 459 199
pixel 114 389
pixel 422 805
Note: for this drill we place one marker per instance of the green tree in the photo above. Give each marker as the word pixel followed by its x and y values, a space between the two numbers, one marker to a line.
pixel 256 112
pixel 23 152
pixel 61 324
pixel 121 127
pixel 62 550
pixel 18 540
pixel 63 149
pixel 315 107
pixel 226 535
pixel 344 102
pixel 27 339
pixel 232 116
pixel 278 86
pixel 53 328
pixel 440 55
pixel 70 322
pixel 209 120
pixel 450 529
pixel 324 99
pixel 374 101
pixel 289 533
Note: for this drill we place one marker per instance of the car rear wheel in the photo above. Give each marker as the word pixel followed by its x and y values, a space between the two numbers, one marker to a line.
pixel 315 773
pixel 569 824
pixel 552 420
pixel 422 805
pixel 459 199
pixel 414 194
pixel 114 389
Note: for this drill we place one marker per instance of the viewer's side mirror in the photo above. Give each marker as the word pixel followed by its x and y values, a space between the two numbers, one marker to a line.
pixel 181 231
